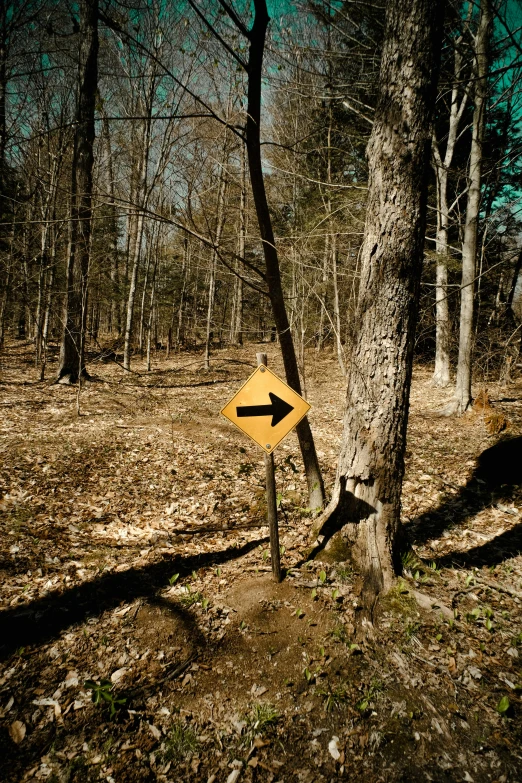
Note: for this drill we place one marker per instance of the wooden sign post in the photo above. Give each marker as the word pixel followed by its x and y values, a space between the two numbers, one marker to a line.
pixel 271 500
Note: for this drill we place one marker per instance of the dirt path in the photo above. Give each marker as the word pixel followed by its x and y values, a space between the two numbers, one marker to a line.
pixel 142 637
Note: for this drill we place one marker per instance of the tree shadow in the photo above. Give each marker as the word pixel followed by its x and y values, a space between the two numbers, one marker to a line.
pixel 46 618
pixel 495 478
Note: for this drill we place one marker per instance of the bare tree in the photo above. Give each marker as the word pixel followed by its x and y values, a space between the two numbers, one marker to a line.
pixel 463 397
pixel 72 363
pixel 441 375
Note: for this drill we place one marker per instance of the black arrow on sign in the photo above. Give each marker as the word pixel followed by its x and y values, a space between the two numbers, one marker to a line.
pixel 277 410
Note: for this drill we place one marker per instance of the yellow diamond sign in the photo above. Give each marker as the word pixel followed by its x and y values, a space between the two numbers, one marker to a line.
pixel 266 409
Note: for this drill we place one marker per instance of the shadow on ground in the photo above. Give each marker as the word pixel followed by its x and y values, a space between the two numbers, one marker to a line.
pixel 45 619
pixel 495 479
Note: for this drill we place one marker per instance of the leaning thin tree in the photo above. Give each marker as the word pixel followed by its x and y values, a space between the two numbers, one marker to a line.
pixel 72 365
pixel 365 507
pixel 256 37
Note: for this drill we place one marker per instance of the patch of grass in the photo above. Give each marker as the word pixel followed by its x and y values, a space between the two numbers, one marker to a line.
pixel 259 719
pixel 180 743
pixel 410 561
pixel 333 697
pixel 412 629
pixel 344 573
pixel 190 598
pixel 339 634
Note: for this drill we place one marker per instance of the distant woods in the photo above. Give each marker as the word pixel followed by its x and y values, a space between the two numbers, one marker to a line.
pixel 130 221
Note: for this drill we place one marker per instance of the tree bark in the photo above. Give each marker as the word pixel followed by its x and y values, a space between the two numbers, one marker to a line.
pixel 72 362
pixel 365 508
pixel 273 276
pixel 463 396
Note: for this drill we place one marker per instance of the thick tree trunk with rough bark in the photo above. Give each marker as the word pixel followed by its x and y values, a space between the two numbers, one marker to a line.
pixel 72 363
pixel 273 275
pixel 463 396
pixel 365 507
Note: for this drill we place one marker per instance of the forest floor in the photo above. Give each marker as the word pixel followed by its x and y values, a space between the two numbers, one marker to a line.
pixel 142 637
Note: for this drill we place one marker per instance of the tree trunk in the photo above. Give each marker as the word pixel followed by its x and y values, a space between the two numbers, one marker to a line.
pixel 220 222
pixel 273 276
pixel 114 314
pixel 136 237
pixel 72 364
pixel 182 294
pixel 328 207
pixel 469 244
pixel 47 311
pixel 441 375
pixel 151 307
pixel 236 320
pixel 365 508
pixel 336 312
pixel 144 296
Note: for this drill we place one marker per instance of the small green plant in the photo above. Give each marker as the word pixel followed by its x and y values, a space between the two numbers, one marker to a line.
pixel 299 613
pixel 102 693
pixel 190 598
pixel 322 577
pixel 314 594
pixel 410 561
pixel 181 742
pixel 503 705
pixel 373 689
pixel 173 579
pixel 339 634
pixel 333 697
pixel 259 719
pixel 265 555
pixel 344 573
pixel 412 629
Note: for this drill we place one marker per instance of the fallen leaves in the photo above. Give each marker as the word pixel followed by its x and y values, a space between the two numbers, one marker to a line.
pixel 17 731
